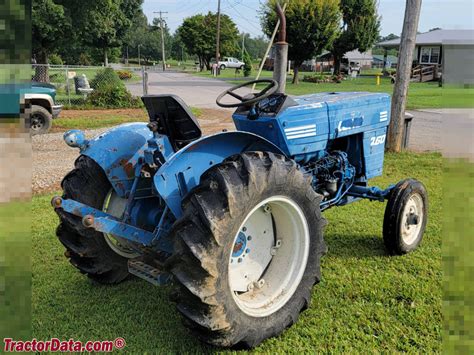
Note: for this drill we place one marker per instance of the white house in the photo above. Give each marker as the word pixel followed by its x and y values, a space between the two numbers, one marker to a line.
pixel 452 50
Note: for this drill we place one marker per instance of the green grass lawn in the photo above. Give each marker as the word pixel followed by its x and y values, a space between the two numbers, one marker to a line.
pixel 367 301
pixel 107 119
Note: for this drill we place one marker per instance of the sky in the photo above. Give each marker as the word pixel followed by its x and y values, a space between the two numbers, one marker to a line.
pixel 447 14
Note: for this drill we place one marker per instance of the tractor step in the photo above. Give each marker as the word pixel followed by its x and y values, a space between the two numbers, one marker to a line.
pixel 148 272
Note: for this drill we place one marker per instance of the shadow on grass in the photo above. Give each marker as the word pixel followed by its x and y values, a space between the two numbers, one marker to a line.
pixel 355 246
pixel 137 311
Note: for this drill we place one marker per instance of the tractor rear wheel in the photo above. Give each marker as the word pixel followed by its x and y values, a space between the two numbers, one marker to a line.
pixel 88 250
pixel 248 250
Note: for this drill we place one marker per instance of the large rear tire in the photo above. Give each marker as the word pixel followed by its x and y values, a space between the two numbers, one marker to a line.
pixel 254 193
pixel 87 249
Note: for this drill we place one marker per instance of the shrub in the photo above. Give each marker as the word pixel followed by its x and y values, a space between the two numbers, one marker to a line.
pixel 105 77
pixel 248 64
pixel 55 59
pixel 113 97
pixel 317 78
pixel 110 91
pixel 124 74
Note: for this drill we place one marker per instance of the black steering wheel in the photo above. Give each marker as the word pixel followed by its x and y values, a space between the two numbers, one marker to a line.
pixel 271 88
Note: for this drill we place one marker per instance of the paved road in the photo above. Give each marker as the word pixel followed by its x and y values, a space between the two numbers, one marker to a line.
pixel 195 91
pixel 446 130
pixel 450 131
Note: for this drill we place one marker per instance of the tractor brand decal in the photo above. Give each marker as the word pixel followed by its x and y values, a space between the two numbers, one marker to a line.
pixel 300 132
pixel 350 123
pixel 383 116
pixel 377 140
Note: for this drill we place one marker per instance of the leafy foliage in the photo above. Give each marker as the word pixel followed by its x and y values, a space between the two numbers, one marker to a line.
pixel 312 26
pixel 71 28
pixel 248 64
pixel 110 91
pixel 360 29
pixel 124 74
pixel 198 34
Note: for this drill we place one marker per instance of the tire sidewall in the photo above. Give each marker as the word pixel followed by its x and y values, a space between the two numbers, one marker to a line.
pixel 262 325
pixel 46 116
pixel 415 188
pixel 394 216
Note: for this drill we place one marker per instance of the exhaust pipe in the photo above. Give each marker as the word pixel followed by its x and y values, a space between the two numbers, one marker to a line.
pixel 281 52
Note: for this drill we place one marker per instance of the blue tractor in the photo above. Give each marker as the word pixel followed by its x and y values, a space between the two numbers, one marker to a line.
pixel 234 219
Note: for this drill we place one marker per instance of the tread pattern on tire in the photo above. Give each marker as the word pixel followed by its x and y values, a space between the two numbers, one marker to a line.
pixel 86 248
pixel 199 264
pixel 393 214
pixel 48 119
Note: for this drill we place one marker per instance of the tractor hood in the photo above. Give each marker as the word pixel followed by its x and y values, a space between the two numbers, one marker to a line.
pixel 312 120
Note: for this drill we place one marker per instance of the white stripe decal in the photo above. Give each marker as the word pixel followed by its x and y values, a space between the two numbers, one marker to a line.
pixel 302 135
pixel 382 119
pixel 300 128
pixel 301 132
pixel 383 113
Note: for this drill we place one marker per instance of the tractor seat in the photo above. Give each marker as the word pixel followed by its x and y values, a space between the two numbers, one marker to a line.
pixel 174 118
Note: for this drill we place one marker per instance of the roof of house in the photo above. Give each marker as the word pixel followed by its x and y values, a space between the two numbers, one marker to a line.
pixel 352 55
pixel 439 37
pixel 390 58
pixel 356 55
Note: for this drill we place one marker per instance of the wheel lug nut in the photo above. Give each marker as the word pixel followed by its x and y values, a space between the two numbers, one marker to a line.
pixel 239 260
pixel 244 229
pixel 249 237
pixel 247 250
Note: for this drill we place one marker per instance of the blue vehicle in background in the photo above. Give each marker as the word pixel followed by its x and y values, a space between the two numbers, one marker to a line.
pixel 233 220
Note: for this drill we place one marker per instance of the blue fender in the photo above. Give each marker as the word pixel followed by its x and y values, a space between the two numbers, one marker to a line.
pixel 117 152
pixel 183 170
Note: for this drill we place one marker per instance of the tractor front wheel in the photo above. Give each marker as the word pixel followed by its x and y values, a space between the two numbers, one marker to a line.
pixel 248 250
pixel 405 217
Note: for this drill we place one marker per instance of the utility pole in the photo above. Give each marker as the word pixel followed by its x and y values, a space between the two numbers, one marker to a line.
pixel 218 35
pixel 162 38
pixel 402 80
pixel 139 54
pixel 243 46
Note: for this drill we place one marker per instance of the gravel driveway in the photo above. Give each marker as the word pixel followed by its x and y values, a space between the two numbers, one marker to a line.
pixel 53 159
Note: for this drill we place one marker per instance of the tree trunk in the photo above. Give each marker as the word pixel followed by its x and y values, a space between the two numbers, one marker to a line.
pixel 106 58
pixel 42 71
pixel 207 62
pixel 399 98
pixel 337 64
pixel 296 70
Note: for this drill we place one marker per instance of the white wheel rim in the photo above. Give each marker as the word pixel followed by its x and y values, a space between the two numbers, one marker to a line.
pixel 115 206
pixel 262 283
pixel 412 219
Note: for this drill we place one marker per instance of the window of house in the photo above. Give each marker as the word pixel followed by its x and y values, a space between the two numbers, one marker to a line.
pixel 429 55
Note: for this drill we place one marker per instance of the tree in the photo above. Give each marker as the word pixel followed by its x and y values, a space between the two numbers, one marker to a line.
pixel 311 27
pixel 101 24
pixel 360 29
pixel 198 34
pixel 49 25
pixel 255 46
